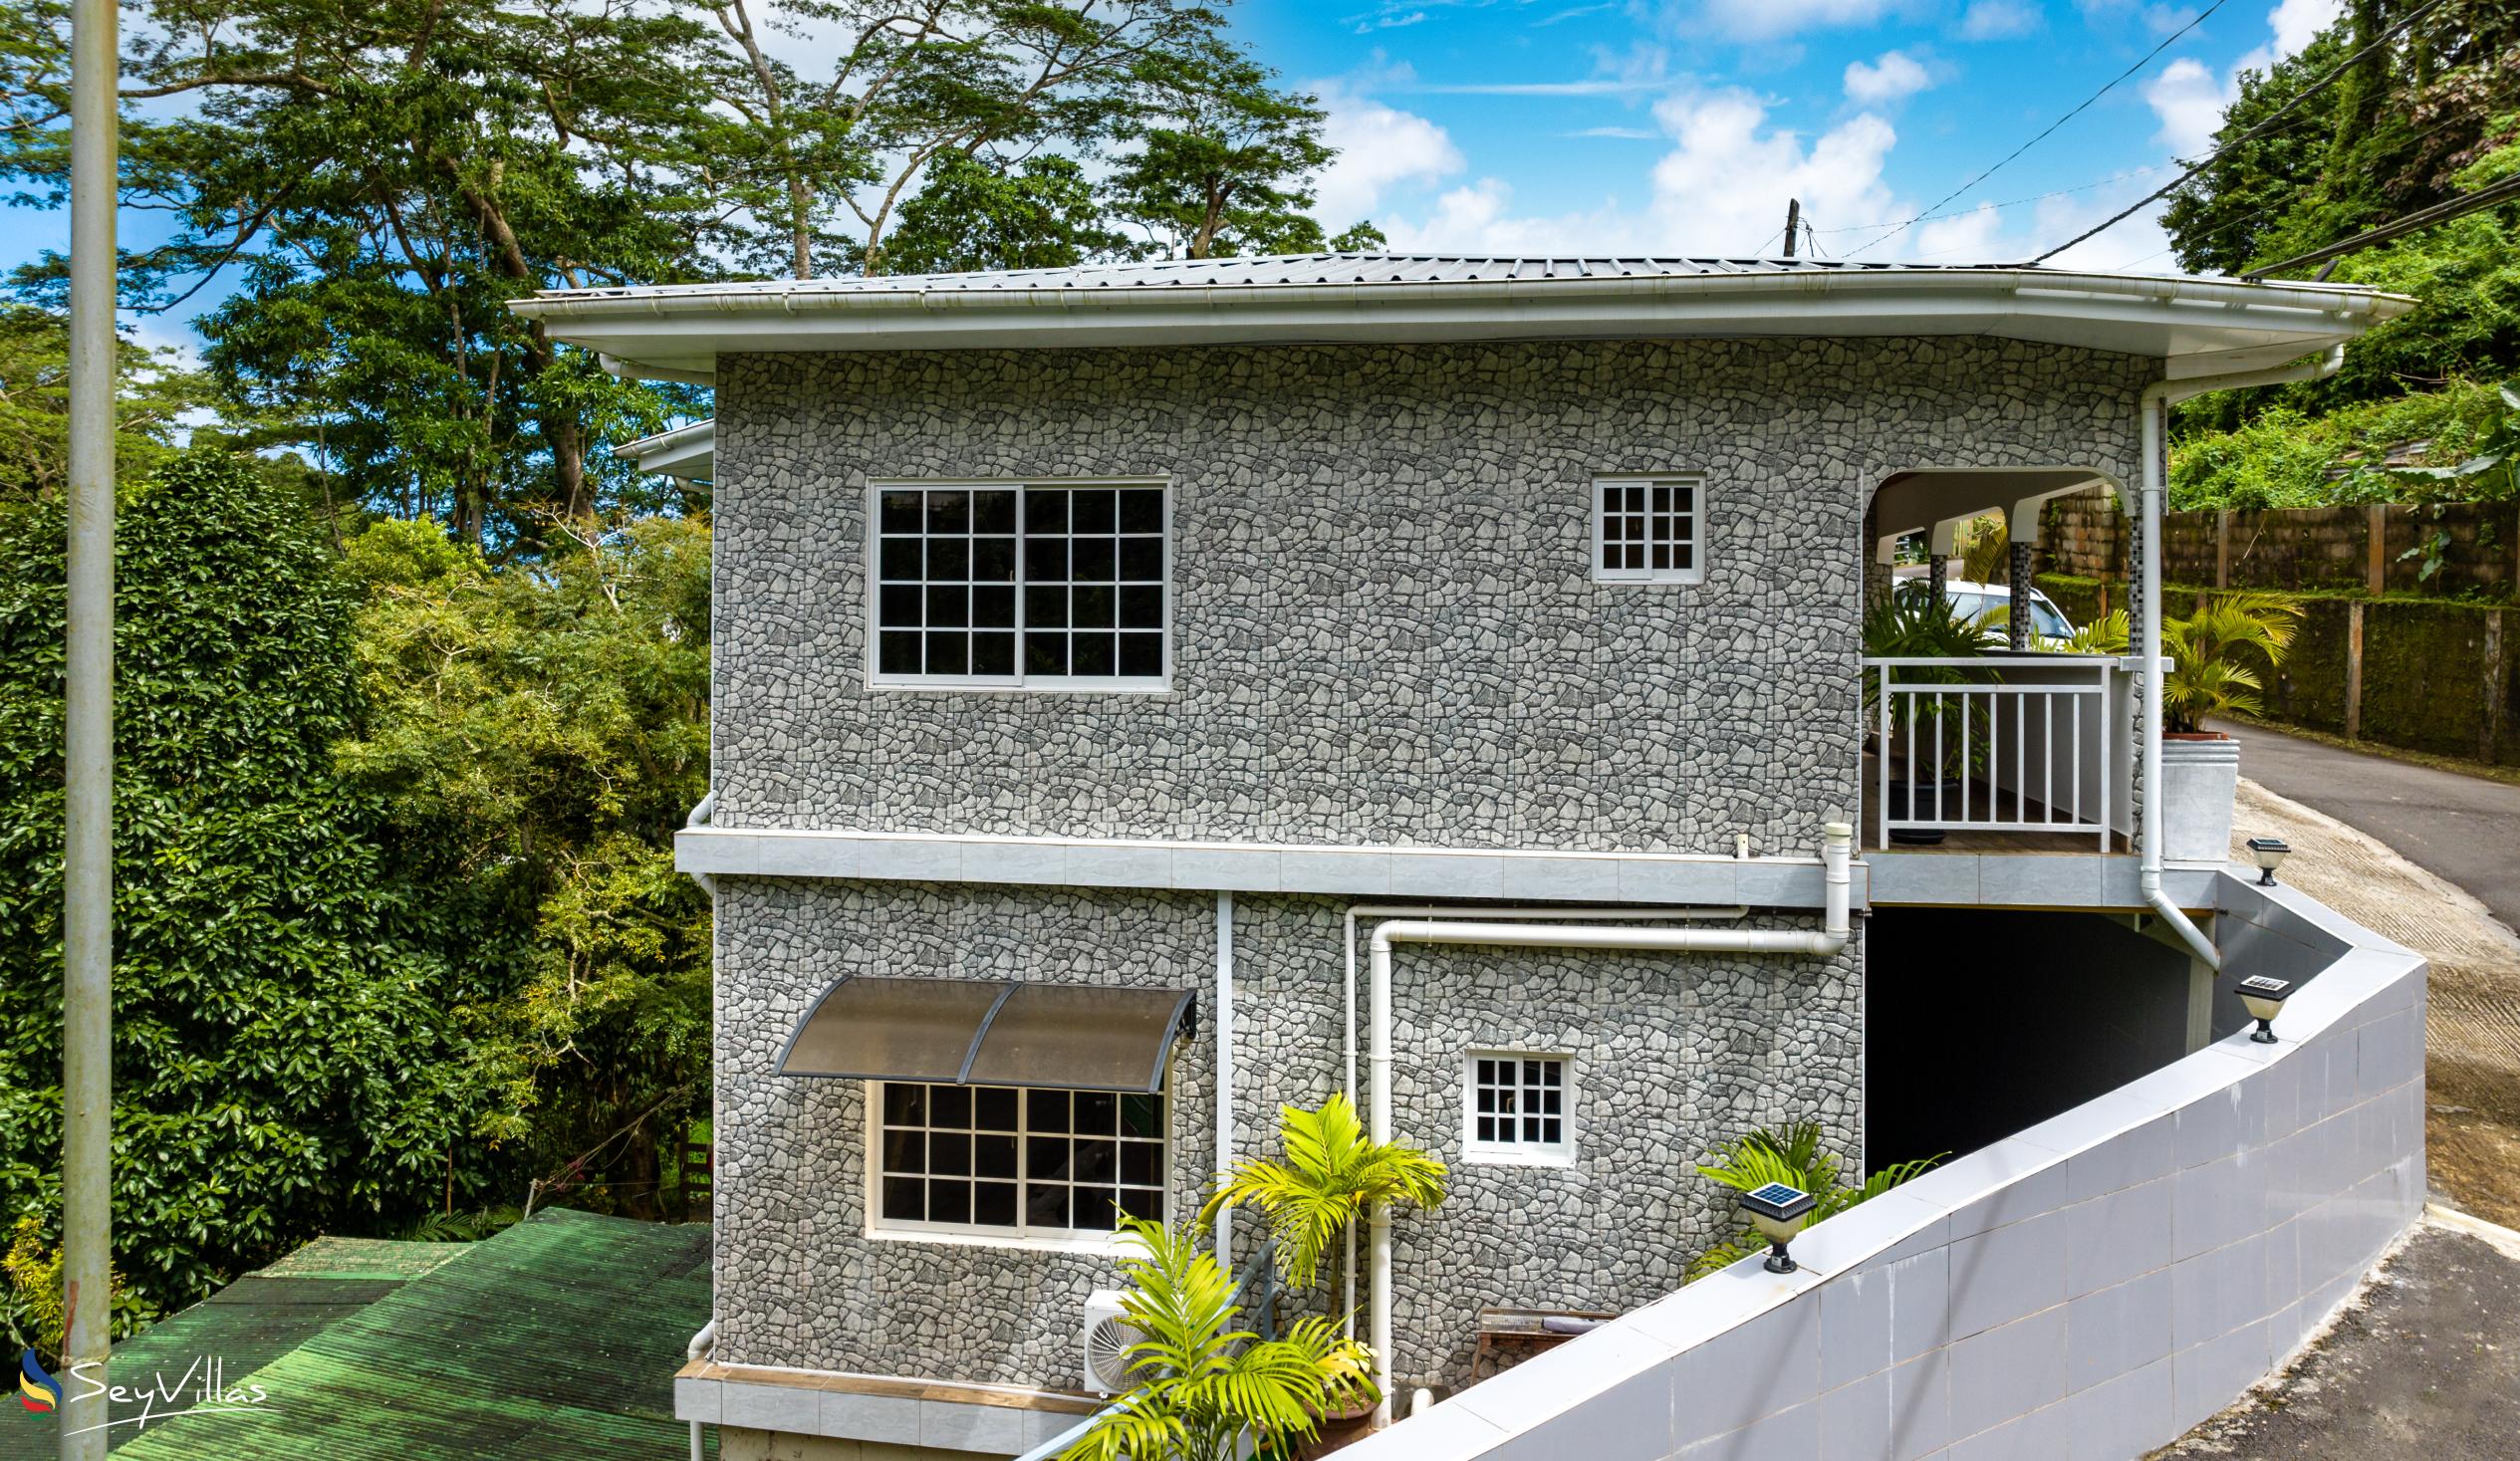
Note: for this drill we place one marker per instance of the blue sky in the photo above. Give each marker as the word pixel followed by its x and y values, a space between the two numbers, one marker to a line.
pixel 1684 125
pixel 1681 126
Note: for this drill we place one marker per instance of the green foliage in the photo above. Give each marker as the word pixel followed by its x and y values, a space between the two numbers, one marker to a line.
pixel 1915 623
pixel 537 737
pixel 975 215
pixel 2210 650
pixel 1330 1175
pixel 1208 1390
pixel 2281 458
pixel 151 394
pixel 288 1057
pixel 1792 1156
pixel 1223 158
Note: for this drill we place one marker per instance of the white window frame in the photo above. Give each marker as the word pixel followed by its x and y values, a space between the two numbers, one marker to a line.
pixel 872 504
pixel 986 1235
pixel 1559 1153
pixel 1695 573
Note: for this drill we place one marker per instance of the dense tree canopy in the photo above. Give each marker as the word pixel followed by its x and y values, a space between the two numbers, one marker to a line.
pixel 288 1053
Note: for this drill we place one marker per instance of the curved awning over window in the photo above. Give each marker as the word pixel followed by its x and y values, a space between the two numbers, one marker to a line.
pixel 986 1033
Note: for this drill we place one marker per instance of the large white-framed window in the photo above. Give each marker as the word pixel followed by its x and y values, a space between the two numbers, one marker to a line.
pixel 1000 1163
pixel 1649 529
pixel 1518 1106
pixel 1049 585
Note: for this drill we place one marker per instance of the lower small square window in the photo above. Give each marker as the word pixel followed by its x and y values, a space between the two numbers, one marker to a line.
pixel 1519 1106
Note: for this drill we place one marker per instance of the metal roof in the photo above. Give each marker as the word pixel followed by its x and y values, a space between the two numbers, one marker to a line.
pixel 1300 269
pixel 2195 326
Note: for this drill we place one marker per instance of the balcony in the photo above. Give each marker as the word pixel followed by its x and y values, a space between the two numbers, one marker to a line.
pixel 2025 752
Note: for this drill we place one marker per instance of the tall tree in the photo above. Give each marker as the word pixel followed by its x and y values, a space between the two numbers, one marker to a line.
pixel 1040 215
pixel 538 736
pixel 153 396
pixel 388 175
pixel 289 1052
pixel 827 156
pixel 1224 159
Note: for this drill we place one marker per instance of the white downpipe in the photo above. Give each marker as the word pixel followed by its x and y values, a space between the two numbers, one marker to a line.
pixel 1224 1070
pixel 1837 930
pixel 2156 401
pixel 700 818
pixel 1347 987
pixel 701 1344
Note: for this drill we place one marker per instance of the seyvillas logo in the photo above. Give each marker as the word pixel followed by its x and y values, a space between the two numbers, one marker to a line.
pixel 37 1389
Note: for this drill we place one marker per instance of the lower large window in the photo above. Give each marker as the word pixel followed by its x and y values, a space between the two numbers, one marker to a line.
pixel 999 1161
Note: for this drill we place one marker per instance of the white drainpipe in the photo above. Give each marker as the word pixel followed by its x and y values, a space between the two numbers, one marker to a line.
pixel 2156 401
pixel 1837 930
pixel 1348 951
pixel 701 1344
pixel 1225 1021
pixel 700 818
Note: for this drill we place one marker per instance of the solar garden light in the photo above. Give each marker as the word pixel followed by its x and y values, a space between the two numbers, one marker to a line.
pixel 1777 1211
pixel 2270 853
pixel 2264 997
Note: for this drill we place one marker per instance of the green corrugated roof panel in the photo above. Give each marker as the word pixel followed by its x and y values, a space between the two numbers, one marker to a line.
pixel 558 1336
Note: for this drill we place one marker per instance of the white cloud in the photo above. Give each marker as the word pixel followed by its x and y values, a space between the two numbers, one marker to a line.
pixel 1627 133
pixel 1724 186
pixel 1894 77
pixel 1478 219
pixel 1389 22
pixel 1767 20
pixel 2187 99
pixel 1380 146
pixel 1994 20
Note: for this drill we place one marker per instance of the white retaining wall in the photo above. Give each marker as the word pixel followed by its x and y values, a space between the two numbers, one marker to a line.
pixel 2085 1289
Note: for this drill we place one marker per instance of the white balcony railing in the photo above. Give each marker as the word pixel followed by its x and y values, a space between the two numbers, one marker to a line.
pixel 2009 743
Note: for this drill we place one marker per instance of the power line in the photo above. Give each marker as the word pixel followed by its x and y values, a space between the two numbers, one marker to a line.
pixel 2252 134
pixel 2084 187
pixel 2051 126
pixel 2422 218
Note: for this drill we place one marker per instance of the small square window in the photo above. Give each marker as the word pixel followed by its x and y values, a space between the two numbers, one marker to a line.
pixel 1518 1108
pixel 1646 531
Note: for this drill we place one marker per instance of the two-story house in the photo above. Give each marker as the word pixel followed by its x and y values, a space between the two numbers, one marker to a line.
pixel 1150 694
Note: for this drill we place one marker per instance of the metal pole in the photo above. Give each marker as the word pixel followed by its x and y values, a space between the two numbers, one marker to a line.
pixel 87 865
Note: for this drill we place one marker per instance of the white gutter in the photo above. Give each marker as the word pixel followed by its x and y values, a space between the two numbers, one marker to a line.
pixel 1224 1071
pixel 2156 401
pixel 810 297
pixel 701 1344
pixel 1836 932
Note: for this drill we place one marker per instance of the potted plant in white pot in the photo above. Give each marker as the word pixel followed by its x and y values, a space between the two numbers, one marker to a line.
pixel 2211 675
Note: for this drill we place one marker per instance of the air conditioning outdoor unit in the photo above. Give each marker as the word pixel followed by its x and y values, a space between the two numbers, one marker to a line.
pixel 1107 1335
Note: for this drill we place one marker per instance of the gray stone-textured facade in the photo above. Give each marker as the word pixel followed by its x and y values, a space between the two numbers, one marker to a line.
pixel 1669 1055
pixel 1384 632
pixel 1384 628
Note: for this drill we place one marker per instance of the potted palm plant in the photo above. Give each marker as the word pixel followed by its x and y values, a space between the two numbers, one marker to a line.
pixel 1328 1175
pixel 2213 655
pixel 1927 733
pixel 1208 1389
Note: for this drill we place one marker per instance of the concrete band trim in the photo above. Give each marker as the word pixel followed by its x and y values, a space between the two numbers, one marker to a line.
pixel 1362 871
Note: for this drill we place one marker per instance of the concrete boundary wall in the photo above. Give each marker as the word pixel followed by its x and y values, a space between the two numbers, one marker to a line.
pixel 2085 1289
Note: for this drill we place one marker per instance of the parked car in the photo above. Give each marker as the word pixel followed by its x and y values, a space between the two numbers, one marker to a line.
pixel 1977 601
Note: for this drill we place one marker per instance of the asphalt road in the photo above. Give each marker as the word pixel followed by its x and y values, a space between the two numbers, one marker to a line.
pixel 2463 829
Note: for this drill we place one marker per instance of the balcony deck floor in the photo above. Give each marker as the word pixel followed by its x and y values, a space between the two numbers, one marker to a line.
pixel 1867 834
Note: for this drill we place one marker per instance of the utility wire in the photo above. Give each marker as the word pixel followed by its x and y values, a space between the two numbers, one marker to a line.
pixel 2051 126
pixel 2422 218
pixel 2252 134
pixel 2119 176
